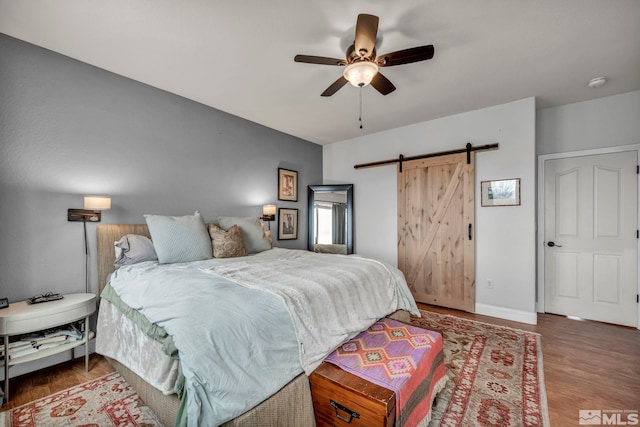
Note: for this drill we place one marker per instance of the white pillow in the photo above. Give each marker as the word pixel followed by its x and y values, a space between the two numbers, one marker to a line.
pixel 179 238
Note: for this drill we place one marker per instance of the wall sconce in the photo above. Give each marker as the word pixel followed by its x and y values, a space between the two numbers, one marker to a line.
pixel 92 212
pixel 268 214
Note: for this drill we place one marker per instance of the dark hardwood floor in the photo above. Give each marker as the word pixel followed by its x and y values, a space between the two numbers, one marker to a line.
pixel 587 365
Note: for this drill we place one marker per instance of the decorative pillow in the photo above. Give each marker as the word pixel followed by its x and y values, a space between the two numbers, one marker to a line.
pixel 132 249
pixel 227 244
pixel 179 238
pixel 252 233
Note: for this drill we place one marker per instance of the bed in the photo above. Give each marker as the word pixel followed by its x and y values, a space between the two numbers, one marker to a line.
pixel 131 351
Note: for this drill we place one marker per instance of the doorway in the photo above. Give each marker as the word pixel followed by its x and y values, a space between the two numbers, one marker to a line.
pixel 588 232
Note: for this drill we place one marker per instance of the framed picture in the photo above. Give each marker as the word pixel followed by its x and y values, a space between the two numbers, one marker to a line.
pixel 287 224
pixel 287 185
pixel 503 192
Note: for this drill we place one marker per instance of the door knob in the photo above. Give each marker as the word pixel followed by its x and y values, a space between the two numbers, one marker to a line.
pixel 552 244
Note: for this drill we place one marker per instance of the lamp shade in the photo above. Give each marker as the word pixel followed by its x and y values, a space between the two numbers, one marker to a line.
pixel 360 73
pixel 269 210
pixel 102 203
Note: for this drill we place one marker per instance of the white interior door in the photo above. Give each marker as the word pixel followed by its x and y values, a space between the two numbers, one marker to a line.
pixel 591 223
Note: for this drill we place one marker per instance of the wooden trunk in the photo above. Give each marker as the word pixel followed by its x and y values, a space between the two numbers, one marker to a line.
pixel 374 405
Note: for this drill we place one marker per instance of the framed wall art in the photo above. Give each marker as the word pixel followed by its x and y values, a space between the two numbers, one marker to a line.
pixel 287 185
pixel 503 192
pixel 287 224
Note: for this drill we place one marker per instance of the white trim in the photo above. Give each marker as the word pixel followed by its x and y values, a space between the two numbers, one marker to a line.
pixel 529 317
pixel 540 241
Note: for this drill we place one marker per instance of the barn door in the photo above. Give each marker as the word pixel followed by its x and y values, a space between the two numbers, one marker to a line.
pixel 436 228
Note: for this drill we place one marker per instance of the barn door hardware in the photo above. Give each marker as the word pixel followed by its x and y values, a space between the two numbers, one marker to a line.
pixel 401 158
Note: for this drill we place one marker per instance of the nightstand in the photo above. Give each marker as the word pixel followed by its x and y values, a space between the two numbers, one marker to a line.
pixel 23 318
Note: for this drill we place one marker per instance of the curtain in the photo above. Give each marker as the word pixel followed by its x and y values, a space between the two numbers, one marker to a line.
pixel 339 223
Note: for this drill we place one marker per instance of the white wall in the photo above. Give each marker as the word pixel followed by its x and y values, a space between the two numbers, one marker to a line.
pixel 505 236
pixel 605 122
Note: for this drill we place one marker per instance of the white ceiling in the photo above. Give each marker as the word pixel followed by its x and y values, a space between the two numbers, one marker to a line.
pixel 237 56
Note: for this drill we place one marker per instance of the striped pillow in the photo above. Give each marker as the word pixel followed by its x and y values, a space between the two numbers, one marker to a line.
pixel 179 238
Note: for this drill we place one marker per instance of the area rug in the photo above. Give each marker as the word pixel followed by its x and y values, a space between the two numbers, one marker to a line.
pixel 495 372
pixel 105 401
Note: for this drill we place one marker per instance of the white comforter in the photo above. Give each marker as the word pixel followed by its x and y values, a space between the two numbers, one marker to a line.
pixel 330 298
pixel 240 344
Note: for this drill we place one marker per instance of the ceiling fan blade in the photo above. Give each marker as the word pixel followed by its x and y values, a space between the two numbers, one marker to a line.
pixel 382 84
pixel 310 59
pixel 335 86
pixel 366 32
pixel 406 56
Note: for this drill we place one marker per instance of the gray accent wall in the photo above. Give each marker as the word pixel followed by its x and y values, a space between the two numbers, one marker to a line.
pixel 68 129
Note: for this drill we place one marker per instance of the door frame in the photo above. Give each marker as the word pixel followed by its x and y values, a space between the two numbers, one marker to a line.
pixel 541 225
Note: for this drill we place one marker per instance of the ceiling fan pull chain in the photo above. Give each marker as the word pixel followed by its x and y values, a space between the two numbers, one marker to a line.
pixel 360 118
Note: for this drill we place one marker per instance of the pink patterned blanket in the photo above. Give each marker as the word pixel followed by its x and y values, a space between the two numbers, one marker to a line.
pixel 400 357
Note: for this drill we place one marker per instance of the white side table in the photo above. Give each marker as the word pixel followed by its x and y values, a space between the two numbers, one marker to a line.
pixel 22 318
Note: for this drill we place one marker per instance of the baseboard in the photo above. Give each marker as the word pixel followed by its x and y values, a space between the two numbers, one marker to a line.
pixel 530 318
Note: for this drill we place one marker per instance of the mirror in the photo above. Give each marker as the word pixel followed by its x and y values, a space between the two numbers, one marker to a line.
pixel 330 218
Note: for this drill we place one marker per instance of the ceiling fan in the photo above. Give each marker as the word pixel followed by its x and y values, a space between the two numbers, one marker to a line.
pixel 361 62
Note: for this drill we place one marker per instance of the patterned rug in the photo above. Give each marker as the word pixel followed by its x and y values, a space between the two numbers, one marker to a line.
pixel 496 374
pixel 105 401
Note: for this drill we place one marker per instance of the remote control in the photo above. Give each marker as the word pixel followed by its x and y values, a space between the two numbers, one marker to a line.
pixel 50 296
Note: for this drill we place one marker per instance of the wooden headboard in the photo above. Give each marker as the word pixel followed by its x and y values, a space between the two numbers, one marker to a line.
pixel 107 234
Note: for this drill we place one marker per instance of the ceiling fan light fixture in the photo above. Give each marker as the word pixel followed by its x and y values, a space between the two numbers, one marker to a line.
pixel 360 73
